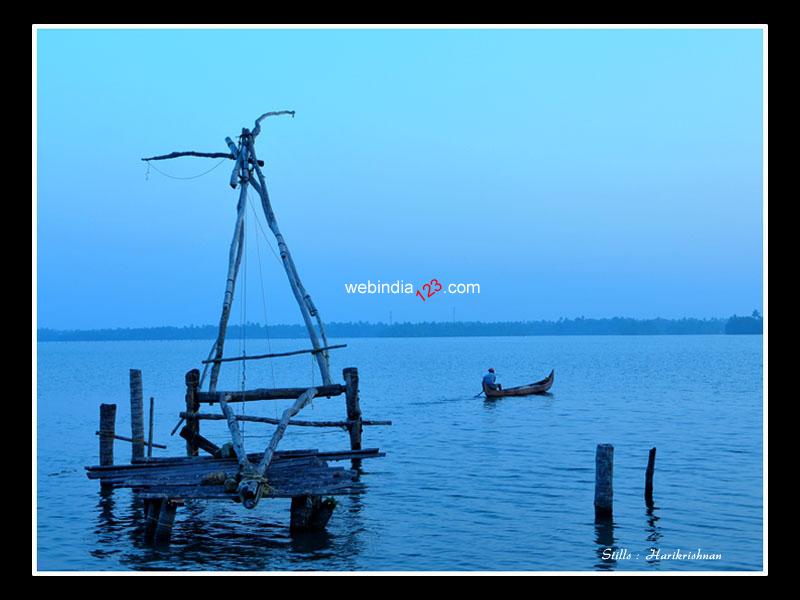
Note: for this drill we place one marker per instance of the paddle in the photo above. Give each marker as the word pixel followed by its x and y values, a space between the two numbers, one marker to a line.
pixel 479 395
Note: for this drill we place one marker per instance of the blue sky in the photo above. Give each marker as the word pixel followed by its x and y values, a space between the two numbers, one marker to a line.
pixel 568 172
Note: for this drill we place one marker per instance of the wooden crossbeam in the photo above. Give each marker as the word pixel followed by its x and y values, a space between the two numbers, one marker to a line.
pixel 273 355
pixel 268 394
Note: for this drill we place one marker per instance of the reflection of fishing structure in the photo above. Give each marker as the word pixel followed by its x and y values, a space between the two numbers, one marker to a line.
pixel 229 472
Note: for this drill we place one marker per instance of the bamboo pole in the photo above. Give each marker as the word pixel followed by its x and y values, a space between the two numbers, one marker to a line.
pixel 295 408
pixel 236 434
pixel 234 259
pixel 302 297
pixel 251 485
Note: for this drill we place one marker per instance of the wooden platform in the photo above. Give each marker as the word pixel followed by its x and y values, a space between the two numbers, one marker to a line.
pixel 291 474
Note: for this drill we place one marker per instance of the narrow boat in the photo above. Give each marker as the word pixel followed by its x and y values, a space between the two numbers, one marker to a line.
pixel 539 387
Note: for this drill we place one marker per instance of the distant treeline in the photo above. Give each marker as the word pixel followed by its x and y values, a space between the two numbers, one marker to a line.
pixel 579 326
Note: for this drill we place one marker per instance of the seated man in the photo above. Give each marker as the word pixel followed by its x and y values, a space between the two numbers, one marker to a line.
pixel 489 381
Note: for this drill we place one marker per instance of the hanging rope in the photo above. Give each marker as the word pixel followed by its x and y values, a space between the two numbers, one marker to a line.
pixel 263 295
pixel 264 233
pixel 149 164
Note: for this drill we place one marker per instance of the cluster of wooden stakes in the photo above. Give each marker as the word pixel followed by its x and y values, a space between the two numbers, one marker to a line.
pixel 229 472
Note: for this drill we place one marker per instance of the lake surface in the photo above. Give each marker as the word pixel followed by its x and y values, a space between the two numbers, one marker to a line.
pixel 467 484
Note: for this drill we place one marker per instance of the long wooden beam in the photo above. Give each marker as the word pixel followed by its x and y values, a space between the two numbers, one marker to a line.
pixel 269 394
pixel 270 420
pixel 273 355
pixel 122 438
pixel 229 155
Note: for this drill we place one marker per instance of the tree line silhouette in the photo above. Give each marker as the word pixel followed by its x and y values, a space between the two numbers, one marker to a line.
pixel 579 326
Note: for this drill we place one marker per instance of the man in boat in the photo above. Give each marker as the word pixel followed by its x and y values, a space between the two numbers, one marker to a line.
pixel 489 380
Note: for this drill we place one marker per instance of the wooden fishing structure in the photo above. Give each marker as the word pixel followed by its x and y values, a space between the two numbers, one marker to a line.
pixel 229 472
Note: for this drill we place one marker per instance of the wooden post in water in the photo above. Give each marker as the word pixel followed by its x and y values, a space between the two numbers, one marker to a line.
pixel 353 411
pixel 310 513
pixel 603 481
pixel 166 519
pixel 108 417
pixel 152 508
pixel 648 478
pixel 192 406
pixel 150 433
pixel 137 416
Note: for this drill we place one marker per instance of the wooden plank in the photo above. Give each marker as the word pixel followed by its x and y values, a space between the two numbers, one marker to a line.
pixel 269 394
pixel 203 461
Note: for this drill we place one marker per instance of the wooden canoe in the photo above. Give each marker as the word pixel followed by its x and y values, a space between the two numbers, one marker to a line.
pixel 539 387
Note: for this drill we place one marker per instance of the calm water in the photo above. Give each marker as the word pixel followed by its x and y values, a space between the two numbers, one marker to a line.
pixel 466 483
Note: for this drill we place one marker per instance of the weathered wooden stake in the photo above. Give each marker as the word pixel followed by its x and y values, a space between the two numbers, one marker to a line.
pixel 166 519
pixel 150 432
pixel 603 481
pixel 199 442
pixel 310 513
pixel 353 411
pixel 137 416
pixel 192 406
pixel 152 508
pixel 648 478
pixel 108 416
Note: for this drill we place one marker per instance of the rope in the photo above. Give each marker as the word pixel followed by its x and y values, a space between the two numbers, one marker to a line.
pixel 264 234
pixel 263 296
pixel 149 164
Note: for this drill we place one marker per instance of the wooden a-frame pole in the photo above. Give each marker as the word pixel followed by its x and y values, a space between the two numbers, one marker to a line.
pixel 300 294
pixel 234 259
